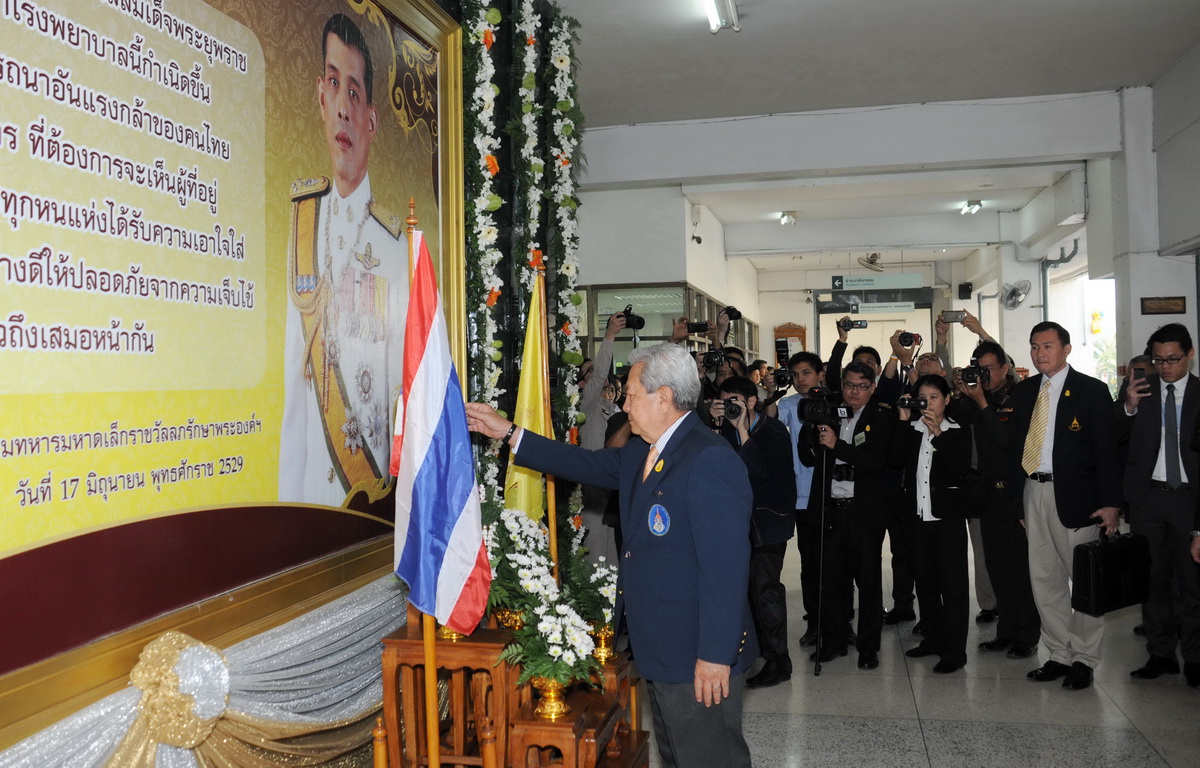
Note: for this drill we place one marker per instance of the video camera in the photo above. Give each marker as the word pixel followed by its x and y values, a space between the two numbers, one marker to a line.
pixel 973 375
pixel 818 407
pixel 914 404
pixel 846 324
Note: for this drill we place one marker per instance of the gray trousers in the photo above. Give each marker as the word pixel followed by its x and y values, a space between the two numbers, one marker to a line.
pixel 691 735
pixel 1069 635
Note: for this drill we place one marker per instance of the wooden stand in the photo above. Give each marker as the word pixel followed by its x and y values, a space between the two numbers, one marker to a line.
pixel 473 660
pixel 594 734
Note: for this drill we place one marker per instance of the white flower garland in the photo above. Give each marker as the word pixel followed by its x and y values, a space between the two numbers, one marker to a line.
pixel 528 22
pixel 563 150
pixel 484 346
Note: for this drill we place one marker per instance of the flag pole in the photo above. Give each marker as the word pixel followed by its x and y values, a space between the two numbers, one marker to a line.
pixel 428 624
pixel 551 496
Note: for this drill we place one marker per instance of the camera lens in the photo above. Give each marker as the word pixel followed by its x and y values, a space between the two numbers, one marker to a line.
pixel 906 339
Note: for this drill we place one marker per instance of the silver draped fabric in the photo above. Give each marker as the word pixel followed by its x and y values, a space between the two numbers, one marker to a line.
pixel 322 667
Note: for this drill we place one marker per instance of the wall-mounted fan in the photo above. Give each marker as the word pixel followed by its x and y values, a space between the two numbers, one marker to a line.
pixel 1014 294
pixel 871 262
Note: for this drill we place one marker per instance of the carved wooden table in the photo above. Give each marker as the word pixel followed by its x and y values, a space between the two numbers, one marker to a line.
pixel 595 733
pixel 404 663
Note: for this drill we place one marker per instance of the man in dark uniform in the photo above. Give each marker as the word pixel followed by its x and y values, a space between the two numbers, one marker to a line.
pixel 684 568
pixel 849 459
pixel 765 447
pixel 1159 416
pixel 985 407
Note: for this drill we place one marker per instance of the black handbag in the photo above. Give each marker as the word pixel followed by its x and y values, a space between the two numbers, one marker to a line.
pixel 1110 573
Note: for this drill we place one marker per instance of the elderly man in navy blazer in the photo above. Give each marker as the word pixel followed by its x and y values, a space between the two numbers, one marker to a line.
pixel 1065 469
pixel 1161 476
pixel 685 559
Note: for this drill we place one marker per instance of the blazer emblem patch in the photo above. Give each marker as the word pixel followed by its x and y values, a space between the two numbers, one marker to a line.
pixel 658 467
pixel 1074 425
pixel 660 520
pixel 1067 393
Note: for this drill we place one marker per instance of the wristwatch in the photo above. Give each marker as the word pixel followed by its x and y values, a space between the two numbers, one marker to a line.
pixel 1195 534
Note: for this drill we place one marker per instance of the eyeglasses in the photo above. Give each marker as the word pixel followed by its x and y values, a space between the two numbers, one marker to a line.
pixel 1167 360
pixel 862 386
pixel 929 358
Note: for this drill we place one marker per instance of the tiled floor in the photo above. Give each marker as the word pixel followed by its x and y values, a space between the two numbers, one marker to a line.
pixel 988 714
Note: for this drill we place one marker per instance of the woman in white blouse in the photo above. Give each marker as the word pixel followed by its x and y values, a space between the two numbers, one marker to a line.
pixel 936 456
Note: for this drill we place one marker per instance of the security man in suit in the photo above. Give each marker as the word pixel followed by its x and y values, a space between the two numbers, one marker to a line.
pixel 985 406
pixel 684 567
pixel 1161 476
pixel 848 458
pixel 1065 470
pixel 764 446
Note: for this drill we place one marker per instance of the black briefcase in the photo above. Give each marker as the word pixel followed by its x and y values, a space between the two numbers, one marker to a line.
pixel 1110 573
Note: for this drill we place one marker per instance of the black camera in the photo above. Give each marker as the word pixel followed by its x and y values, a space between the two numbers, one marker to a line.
pixel 914 403
pixel 843 473
pixel 632 321
pixel 847 324
pixel 733 408
pixel 909 339
pixel 713 358
pixel 783 378
pixel 818 407
pixel 973 375
pixel 698 327
pixel 733 313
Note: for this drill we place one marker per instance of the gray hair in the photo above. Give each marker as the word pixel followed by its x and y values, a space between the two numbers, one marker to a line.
pixel 671 366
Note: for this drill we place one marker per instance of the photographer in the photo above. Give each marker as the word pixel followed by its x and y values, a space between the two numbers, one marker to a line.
pixel 763 445
pixel 848 451
pixel 982 404
pixel 936 457
pixel 806 369
pixel 887 389
pixel 593 376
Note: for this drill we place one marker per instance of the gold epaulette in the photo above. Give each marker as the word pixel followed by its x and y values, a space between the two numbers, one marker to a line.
pixel 302 188
pixel 390 221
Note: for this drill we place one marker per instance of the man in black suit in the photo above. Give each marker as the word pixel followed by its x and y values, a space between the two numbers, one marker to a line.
pixel 1065 470
pixel 1161 476
pixel 985 407
pixel 685 552
pixel 848 458
pixel 765 448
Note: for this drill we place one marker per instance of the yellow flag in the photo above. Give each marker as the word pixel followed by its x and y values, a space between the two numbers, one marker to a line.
pixel 524 488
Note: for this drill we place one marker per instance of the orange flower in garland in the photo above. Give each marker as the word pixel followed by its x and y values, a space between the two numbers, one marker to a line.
pixel 577 522
pixel 493 165
pixel 565 160
pixel 531 40
pixel 566 328
pixel 493 296
pixel 536 261
pixel 488 39
pixel 573 435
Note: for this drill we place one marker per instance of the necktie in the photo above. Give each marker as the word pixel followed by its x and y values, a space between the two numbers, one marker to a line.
pixel 1171 419
pixel 650 457
pixel 1032 456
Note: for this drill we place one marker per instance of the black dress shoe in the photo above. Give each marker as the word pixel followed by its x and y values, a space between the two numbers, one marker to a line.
pixel 946 667
pixel 828 653
pixel 1078 678
pixel 918 652
pixel 1156 667
pixel 1191 671
pixel 868 660
pixel 770 674
pixel 1021 651
pixel 999 644
pixel 899 614
pixel 1051 670
pixel 986 616
pixel 809 638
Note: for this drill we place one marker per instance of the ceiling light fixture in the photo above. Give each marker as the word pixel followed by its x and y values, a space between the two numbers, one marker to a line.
pixel 722 14
pixel 787 217
pixel 971 206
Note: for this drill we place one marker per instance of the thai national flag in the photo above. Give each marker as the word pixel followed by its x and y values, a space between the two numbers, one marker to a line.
pixel 440 552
